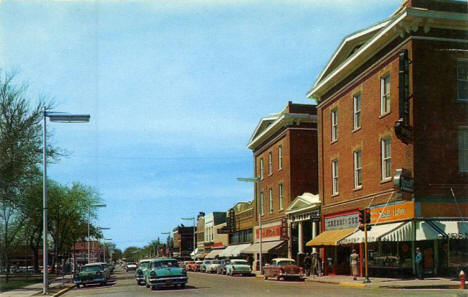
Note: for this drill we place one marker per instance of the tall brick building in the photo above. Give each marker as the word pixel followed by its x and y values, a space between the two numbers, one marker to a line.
pixel 285 160
pixel 393 137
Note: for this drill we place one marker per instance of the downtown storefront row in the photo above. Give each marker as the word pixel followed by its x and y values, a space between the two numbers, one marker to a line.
pixel 397 229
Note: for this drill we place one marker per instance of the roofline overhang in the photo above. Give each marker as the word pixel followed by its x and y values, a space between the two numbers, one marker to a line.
pixel 280 122
pixel 393 28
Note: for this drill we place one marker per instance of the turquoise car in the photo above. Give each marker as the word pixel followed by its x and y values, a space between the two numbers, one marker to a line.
pixel 140 271
pixel 91 274
pixel 165 273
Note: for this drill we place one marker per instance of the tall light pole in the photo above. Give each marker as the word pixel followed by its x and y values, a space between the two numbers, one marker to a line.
pixel 89 220
pixel 53 117
pixel 256 181
pixel 191 219
pixel 168 241
pixel 105 239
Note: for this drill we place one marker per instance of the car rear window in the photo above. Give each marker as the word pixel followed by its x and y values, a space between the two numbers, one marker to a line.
pixel 91 268
pixel 164 264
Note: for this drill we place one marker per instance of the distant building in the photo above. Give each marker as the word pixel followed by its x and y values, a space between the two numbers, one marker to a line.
pixel 183 243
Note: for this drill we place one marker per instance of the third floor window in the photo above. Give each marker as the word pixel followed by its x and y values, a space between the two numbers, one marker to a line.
pixel 280 157
pixel 385 94
pixel 334 124
pixel 270 163
pixel 357 111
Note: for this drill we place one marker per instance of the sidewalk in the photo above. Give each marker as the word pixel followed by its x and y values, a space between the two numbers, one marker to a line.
pixel 380 282
pixel 56 288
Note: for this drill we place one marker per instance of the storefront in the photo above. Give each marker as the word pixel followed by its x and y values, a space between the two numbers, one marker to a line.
pixel 335 257
pixel 303 224
pixel 273 244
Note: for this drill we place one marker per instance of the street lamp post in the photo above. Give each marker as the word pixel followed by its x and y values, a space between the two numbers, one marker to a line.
pixel 256 181
pixel 168 241
pixel 53 117
pixel 89 220
pixel 106 239
pixel 191 219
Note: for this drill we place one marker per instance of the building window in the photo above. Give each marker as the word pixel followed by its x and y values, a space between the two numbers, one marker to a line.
pixel 386 148
pixel 335 185
pixel 280 157
pixel 261 204
pixel 270 163
pixel 385 94
pixel 334 124
pixel 280 196
pixel 261 168
pixel 357 169
pixel 357 111
pixel 463 149
pixel 270 193
pixel 462 80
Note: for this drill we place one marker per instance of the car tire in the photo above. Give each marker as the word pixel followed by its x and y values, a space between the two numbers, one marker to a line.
pixel 265 277
pixel 278 278
pixel 147 285
pixel 78 286
pixel 182 286
pixel 154 287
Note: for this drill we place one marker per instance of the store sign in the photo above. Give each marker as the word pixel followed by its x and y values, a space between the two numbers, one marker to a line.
pixel 403 180
pixel 392 212
pixel 454 236
pixel 267 232
pixel 312 215
pixel 284 229
pixel 342 222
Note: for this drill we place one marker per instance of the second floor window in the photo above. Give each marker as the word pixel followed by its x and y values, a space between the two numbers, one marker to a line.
pixel 385 94
pixel 386 156
pixel 280 196
pixel 270 163
pixel 335 185
pixel 357 111
pixel 261 168
pixel 463 149
pixel 280 157
pixel 334 124
pixel 262 203
pixel 270 194
pixel 357 169
pixel 462 80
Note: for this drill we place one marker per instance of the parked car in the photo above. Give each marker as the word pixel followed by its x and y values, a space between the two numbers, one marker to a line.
pixel 187 263
pixel 222 266
pixel 203 265
pixel 283 268
pixel 213 266
pixel 194 266
pixel 238 266
pixel 130 266
pixel 92 273
pixel 140 271
pixel 163 273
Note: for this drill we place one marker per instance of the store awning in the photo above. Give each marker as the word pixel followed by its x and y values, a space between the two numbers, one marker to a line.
pixel 331 237
pixel 201 256
pixel 373 235
pixel 452 229
pixel 424 231
pixel 194 253
pixel 233 250
pixel 213 254
pixel 266 247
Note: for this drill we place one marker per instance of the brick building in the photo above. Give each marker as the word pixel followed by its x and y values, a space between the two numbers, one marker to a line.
pixel 285 160
pixel 183 243
pixel 393 126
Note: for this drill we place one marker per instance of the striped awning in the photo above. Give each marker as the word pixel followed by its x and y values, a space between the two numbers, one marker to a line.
pixel 452 229
pixel 233 250
pixel 213 254
pixel 266 247
pixel 373 235
pixel 424 231
pixel 330 238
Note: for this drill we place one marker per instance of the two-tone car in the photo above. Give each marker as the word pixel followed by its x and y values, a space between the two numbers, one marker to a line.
pixel 285 268
pixel 238 266
pixel 92 273
pixel 139 272
pixel 212 267
pixel 164 273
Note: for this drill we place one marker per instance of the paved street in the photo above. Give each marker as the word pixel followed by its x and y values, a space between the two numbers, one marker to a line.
pixel 220 285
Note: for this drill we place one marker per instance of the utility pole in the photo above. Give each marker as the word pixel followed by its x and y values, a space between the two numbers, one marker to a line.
pixel 364 220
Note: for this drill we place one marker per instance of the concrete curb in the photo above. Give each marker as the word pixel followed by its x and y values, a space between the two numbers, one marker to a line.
pixel 61 292
pixel 350 284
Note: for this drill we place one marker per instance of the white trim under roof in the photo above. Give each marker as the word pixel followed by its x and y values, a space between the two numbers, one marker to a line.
pixel 377 41
pixel 310 200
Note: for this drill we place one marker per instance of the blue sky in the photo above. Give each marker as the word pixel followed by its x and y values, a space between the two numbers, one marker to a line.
pixel 174 88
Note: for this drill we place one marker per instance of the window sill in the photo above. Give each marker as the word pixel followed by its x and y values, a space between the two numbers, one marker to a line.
pixel 357 189
pixel 384 114
pixel 356 130
pixel 386 180
pixel 335 195
pixel 334 141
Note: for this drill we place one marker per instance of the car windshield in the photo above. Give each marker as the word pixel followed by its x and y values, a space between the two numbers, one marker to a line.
pixel 215 262
pixel 285 262
pixel 91 268
pixel 242 262
pixel 165 264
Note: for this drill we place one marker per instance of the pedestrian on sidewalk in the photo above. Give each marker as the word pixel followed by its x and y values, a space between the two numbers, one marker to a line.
pixel 354 258
pixel 419 264
pixel 307 264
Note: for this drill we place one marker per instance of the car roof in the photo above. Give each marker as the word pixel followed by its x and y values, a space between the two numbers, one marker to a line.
pixel 93 264
pixel 163 259
pixel 145 260
pixel 284 259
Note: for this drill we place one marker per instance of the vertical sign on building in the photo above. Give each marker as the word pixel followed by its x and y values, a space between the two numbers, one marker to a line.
pixel 284 229
pixel 402 128
pixel 231 222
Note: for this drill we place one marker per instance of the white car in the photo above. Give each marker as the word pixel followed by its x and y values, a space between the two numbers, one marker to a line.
pixel 212 267
pixel 238 266
pixel 130 266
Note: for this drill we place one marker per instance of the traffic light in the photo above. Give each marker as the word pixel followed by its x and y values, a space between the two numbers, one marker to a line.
pixel 362 216
pixel 367 216
pixel 364 219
